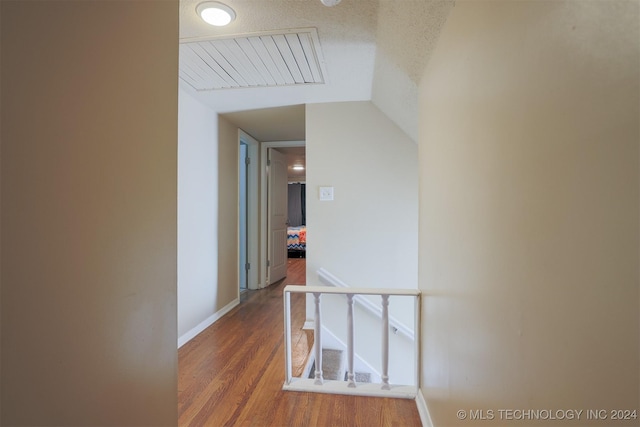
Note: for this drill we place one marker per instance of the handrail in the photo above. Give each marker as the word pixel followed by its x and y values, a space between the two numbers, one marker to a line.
pixel 298 289
pixel 350 386
pixel 329 279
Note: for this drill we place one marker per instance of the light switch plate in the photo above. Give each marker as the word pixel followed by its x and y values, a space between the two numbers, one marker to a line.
pixel 326 193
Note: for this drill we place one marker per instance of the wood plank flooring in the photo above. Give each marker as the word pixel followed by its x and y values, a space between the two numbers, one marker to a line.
pixel 232 373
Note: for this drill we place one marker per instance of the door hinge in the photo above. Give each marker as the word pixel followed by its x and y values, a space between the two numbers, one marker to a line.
pixel 247 161
pixel 247 266
pixel 269 162
pixel 268 263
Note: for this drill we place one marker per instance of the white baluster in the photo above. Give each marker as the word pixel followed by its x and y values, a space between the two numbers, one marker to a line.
pixel 287 337
pixel 318 340
pixel 350 345
pixel 417 334
pixel 385 342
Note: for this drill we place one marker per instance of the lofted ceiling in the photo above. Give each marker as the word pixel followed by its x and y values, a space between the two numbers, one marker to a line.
pixel 366 50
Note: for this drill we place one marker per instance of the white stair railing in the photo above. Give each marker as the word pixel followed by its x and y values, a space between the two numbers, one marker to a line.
pixel 318 383
pixel 397 326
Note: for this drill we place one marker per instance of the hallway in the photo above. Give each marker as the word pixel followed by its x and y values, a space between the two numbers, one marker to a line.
pixel 232 373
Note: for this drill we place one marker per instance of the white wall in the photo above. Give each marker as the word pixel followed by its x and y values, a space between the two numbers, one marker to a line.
pixel 89 128
pixel 529 209
pixel 367 236
pixel 197 213
pixel 208 209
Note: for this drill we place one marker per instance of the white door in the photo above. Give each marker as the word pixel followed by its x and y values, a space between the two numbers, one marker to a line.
pixel 277 207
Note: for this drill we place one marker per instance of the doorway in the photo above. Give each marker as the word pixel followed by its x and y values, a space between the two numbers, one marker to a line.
pixel 243 224
pixel 248 217
pixel 277 220
pixel 277 241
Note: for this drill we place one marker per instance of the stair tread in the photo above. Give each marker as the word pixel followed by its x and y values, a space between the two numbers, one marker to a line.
pixel 359 377
pixel 333 367
pixel 331 364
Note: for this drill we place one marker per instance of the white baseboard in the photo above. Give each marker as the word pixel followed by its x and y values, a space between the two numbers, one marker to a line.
pixel 207 322
pixel 425 418
pixel 341 387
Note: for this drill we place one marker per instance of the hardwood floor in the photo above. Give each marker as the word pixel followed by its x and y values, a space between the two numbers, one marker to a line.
pixel 232 373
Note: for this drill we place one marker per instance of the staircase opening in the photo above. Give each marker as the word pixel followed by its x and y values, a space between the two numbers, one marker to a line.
pixel 332 365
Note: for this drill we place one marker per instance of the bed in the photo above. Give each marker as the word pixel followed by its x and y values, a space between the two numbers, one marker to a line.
pixel 297 241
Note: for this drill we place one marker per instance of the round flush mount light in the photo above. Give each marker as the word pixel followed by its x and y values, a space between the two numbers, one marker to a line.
pixel 298 167
pixel 215 13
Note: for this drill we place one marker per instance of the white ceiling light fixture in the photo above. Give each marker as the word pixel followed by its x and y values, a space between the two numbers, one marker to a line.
pixel 330 3
pixel 298 167
pixel 215 13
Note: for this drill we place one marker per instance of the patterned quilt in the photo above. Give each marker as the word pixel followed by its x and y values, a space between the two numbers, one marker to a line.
pixel 297 238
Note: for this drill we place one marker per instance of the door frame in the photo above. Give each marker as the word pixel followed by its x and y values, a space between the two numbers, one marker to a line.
pixel 264 235
pixel 253 217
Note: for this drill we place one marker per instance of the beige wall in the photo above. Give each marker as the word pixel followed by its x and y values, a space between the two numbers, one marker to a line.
pixel 89 115
pixel 228 287
pixel 529 210
pixel 0 223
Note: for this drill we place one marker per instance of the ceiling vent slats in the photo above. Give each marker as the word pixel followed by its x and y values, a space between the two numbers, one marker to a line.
pixel 265 58
pixel 309 50
pixel 276 57
pixel 253 56
pixel 233 49
pixel 222 62
pixel 287 57
pixel 201 70
pixel 301 59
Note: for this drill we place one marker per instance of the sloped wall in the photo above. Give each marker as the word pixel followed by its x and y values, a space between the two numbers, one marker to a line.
pixel 406 35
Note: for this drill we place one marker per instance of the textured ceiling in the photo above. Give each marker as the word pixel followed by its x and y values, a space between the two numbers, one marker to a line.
pixel 407 33
pixel 373 50
pixel 347 39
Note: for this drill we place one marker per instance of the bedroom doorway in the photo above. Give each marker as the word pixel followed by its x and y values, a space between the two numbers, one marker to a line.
pixel 277 215
pixel 294 245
